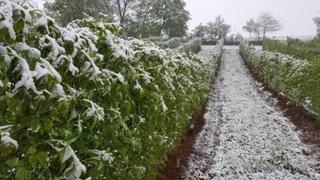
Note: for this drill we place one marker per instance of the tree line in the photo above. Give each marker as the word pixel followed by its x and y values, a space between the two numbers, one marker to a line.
pixel 212 31
pixel 218 29
pixel 265 23
pixel 139 18
pixel 148 18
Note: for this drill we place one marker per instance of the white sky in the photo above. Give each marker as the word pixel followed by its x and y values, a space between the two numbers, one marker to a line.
pixel 295 15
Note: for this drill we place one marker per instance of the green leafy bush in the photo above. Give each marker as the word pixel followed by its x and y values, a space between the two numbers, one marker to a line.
pixel 299 79
pixel 80 101
pixel 193 45
pixel 296 48
pixel 171 43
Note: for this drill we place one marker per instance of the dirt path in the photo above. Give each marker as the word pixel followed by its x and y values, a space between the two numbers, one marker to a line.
pixel 245 135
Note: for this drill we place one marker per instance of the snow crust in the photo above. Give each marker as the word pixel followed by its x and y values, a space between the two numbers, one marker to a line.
pixel 246 136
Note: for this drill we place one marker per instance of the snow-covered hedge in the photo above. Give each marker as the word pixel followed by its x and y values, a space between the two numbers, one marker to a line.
pixel 171 43
pixel 297 78
pixel 193 45
pixel 79 101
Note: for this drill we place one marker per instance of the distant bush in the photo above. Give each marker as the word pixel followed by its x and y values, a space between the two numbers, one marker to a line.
pixel 293 47
pixel 193 45
pixel 80 101
pixel 299 79
pixel 171 43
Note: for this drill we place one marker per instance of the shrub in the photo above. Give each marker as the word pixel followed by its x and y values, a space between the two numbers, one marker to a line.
pixel 193 45
pixel 297 78
pixel 81 102
pixel 171 43
pixel 296 48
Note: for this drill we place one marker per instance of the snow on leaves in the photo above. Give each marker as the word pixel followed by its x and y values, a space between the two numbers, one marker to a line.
pixel 83 84
pixel 6 140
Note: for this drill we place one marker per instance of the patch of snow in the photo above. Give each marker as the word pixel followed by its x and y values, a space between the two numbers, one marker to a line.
pixel 137 86
pixel 94 111
pixel 58 89
pixel 76 168
pixel 164 106
pixel 6 140
pixel 103 155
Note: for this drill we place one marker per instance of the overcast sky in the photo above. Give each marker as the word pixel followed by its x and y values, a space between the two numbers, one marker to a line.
pixel 295 15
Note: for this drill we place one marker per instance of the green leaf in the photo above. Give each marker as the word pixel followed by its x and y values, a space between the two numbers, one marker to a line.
pixel 126 107
pixel 3 32
pixel 18 27
pixel 23 174
pixel 8 40
pixel 31 150
pixel 13 162
pixel 68 47
pixel 48 125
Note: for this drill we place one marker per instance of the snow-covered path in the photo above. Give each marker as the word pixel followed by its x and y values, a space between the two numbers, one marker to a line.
pixel 245 135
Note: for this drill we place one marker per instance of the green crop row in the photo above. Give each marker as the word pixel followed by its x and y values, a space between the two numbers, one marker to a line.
pixel 299 79
pixel 193 45
pixel 172 43
pixel 295 48
pixel 79 101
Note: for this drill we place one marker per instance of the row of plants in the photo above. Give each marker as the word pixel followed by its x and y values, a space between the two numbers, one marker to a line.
pixel 172 43
pixel 299 79
pixel 80 102
pixel 193 45
pixel 296 48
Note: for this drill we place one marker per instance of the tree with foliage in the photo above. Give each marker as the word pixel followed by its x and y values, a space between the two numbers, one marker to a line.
pixel 221 28
pixel 212 30
pixel 66 11
pixel 253 27
pixel 200 31
pixel 173 17
pixel 268 23
pixel 317 22
pixel 156 17
pixel 142 22
pixel 250 27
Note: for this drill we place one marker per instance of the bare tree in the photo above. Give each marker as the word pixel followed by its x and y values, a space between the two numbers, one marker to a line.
pixel 122 7
pixel 268 23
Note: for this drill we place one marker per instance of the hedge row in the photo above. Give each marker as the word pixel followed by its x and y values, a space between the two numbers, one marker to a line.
pixel 172 43
pixel 299 79
pixel 80 102
pixel 295 48
pixel 193 45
